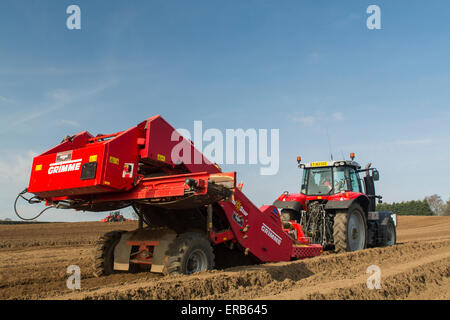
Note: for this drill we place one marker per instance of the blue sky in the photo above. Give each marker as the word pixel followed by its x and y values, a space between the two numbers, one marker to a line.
pixel 304 67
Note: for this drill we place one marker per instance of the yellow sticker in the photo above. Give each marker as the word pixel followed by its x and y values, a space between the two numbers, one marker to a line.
pixel 107 183
pixel 93 158
pixel 160 157
pixel 319 164
pixel 39 167
pixel 114 160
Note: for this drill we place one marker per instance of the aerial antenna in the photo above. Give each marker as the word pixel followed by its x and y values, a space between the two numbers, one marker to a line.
pixel 329 145
pixel 343 157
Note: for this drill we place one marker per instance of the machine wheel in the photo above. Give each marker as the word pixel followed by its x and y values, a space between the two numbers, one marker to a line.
pixel 104 253
pixel 189 253
pixel 391 234
pixel 350 230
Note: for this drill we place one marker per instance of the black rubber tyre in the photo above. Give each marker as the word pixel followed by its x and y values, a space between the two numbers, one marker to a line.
pixel 104 253
pixel 391 236
pixel 350 230
pixel 189 253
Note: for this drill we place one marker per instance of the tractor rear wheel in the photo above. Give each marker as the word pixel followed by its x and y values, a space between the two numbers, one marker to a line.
pixel 103 263
pixel 189 253
pixel 350 230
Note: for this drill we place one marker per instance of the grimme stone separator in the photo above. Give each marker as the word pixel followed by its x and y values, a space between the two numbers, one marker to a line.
pixel 190 207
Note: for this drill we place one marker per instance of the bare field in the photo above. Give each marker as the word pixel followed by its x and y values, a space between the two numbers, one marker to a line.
pixel 34 260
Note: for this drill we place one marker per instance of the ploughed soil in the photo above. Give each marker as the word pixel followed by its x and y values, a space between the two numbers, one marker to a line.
pixel 34 259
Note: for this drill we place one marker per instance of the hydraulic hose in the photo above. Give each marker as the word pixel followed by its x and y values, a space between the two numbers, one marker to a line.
pixel 32 200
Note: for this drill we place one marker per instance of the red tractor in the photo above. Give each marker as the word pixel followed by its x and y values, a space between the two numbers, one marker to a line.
pixel 114 217
pixel 335 211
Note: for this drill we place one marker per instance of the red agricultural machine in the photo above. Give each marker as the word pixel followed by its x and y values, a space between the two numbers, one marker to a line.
pixel 114 217
pixel 333 208
pixel 193 212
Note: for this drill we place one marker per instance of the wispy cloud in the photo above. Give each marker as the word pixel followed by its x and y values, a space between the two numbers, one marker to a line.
pixel 104 68
pixel 31 115
pixel 337 116
pixel 349 19
pixel 14 170
pixel 315 58
pixel 414 142
pixel 64 122
pixel 7 100
pixel 57 99
pixel 311 120
pixel 307 120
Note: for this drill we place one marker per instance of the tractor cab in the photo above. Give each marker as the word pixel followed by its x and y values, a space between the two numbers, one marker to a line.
pixel 330 178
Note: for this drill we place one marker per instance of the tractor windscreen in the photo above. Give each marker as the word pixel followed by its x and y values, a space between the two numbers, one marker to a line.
pixel 328 180
pixel 317 181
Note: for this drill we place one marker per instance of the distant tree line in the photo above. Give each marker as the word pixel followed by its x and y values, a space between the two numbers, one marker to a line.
pixel 408 208
pixel 430 206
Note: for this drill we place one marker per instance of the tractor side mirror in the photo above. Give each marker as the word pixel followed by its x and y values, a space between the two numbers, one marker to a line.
pixel 375 175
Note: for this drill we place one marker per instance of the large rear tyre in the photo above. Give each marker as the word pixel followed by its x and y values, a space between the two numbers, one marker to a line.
pixel 103 263
pixel 350 230
pixel 189 253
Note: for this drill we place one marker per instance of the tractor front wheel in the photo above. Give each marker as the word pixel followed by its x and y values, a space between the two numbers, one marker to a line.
pixel 350 230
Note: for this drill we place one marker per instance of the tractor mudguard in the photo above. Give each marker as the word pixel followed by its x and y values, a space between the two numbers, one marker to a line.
pixel 342 205
pixel 293 205
pixel 383 217
pixel 378 227
pixel 339 205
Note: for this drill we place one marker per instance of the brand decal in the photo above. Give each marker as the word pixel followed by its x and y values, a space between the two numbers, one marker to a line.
pixel 64 156
pixel 272 235
pixel 66 166
pixel 239 208
pixel 238 219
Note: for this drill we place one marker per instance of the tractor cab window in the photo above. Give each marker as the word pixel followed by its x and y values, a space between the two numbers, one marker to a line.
pixel 304 181
pixel 318 181
pixel 356 182
pixel 330 180
pixel 341 176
